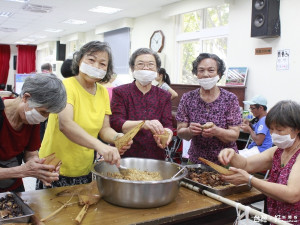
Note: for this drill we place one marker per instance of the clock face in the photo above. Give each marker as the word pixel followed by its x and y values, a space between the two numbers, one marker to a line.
pixel 157 41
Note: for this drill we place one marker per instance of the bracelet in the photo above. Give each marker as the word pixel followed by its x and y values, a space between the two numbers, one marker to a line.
pixel 249 181
pixel 116 136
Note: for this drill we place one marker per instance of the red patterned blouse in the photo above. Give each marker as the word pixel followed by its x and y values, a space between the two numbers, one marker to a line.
pixel 280 175
pixel 129 103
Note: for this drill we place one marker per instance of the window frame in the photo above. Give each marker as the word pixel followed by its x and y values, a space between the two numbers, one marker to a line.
pixel 201 35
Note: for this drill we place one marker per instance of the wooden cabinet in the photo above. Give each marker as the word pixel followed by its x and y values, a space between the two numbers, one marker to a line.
pixel 183 88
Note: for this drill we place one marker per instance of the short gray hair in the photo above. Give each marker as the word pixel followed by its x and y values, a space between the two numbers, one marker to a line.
pixel 144 51
pixel 46 91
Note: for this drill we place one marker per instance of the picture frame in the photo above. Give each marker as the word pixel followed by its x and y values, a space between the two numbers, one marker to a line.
pixel 236 76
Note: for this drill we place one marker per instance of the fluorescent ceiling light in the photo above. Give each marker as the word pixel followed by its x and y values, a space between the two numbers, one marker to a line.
pixel 37 36
pixel 37 8
pixel 53 30
pixel 20 42
pixel 21 1
pixel 28 39
pixel 76 22
pixel 107 10
pixel 6 14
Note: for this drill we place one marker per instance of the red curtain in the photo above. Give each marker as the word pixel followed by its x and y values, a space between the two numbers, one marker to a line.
pixel 26 59
pixel 4 63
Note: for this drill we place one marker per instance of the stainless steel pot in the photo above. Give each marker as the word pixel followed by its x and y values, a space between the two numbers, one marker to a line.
pixel 139 194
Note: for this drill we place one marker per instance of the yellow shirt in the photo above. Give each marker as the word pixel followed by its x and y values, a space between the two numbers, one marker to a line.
pixel 89 112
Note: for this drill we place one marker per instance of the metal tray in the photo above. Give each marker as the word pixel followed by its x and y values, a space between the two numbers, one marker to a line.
pixel 222 192
pixel 28 212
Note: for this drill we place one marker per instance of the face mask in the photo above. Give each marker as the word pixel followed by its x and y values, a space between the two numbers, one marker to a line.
pixel 34 117
pixel 208 83
pixel 282 141
pixel 92 71
pixel 145 77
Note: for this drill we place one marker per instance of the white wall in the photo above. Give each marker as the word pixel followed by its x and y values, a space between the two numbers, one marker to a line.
pixel 263 78
pixel 142 31
pixel 11 72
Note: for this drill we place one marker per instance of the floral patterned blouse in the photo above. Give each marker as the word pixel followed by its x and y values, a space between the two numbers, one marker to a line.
pixel 223 112
pixel 280 175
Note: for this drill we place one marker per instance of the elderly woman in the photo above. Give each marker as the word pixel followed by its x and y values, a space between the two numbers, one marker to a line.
pixel 208 103
pixel 141 101
pixel 19 131
pixel 72 134
pixel 282 188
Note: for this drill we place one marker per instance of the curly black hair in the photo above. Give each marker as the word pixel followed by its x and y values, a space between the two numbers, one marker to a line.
pixel 220 63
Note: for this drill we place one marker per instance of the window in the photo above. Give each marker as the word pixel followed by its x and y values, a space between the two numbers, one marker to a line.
pixel 203 30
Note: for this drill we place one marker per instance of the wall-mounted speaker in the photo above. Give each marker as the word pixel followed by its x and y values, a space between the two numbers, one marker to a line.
pixel 60 51
pixel 15 62
pixel 265 20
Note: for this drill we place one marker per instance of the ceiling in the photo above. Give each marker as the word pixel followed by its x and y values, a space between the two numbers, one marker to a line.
pixel 22 24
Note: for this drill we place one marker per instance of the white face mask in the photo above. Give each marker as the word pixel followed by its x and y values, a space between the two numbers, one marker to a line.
pixel 208 83
pixel 145 77
pixel 282 141
pixel 34 117
pixel 92 71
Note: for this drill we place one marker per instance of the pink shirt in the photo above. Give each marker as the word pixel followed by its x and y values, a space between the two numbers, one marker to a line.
pixel 109 89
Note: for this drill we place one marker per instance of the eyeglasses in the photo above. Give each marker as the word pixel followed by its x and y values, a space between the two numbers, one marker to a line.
pixel 142 65
pixel 252 108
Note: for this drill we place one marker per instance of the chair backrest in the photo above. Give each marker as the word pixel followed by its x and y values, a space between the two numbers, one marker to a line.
pixel 249 141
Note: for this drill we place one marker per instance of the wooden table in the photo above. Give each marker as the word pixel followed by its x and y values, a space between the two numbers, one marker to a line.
pixel 187 206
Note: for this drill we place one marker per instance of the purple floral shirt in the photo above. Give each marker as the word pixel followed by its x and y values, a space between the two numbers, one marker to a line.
pixel 282 210
pixel 223 112
pixel 129 103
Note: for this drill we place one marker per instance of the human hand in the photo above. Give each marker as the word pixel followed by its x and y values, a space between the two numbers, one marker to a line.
pixel 110 154
pixel 125 147
pixel 239 177
pixel 245 127
pixel 210 132
pixel 246 121
pixel 35 168
pixel 161 139
pixel 154 126
pixel 195 129
pixel 226 155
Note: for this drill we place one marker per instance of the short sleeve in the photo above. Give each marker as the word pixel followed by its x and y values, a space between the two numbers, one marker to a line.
pixel 262 127
pixel 182 112
pixel 234 114
pixel 107 100
pixel 70 92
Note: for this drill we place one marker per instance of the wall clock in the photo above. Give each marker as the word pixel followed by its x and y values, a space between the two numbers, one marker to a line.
pixel 157 41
